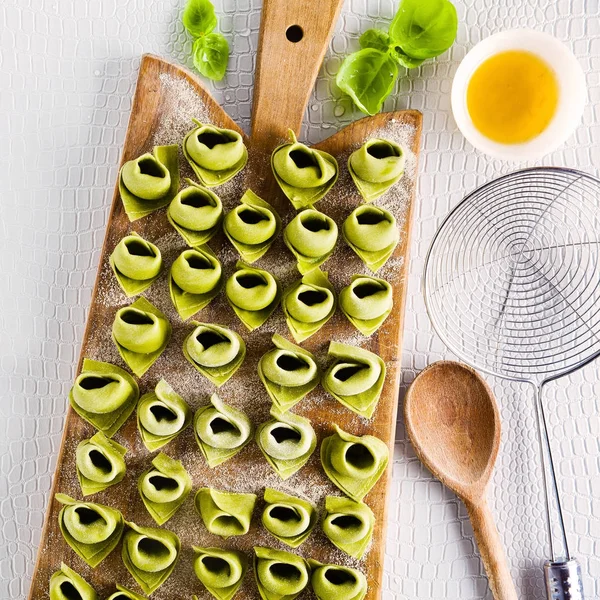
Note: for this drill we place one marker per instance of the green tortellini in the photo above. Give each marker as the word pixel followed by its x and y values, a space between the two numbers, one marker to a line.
pixel 367 302
pixel 150 181
pixel 161 416
pixel 123 593
pixel 354 463
pixel 288 373
pixel 66 584
pixel 304 174
pixel 288 518
pixel 136 264
pixel 150 555
pixel 216 155
pixel 376 166
pixel 99 463
pixel 221 571
pixel 348 525
pixel 164 487
pixel 287 442
pixel 196 278
pixel 253 294
pixel 104 395
pixel 225 513
pixel 196 213
pixel 373 234
pixel 252 226
pixel 92 530
pixel 279 575
pixel 140 332
pixel 311 237
pixel 214 351
pixel 308 304
pixel 355 378
pixel 334 582
pixel 221 431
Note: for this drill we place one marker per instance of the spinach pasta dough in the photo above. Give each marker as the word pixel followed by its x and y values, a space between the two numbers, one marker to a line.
pixel 92 530
pixel 140 332
pixel 161 416
pixel 373 234
pixel 66 584
pixel 99 463
pixel 150 181
pixel 287 442
pixel 220 571
pixel 288 373
pixel 253 294
pixel 353 463
pixel 136 264
pixel 376 166
pixel 123 593
pixel 355 378
pixel 252 226
pixel 348 525
pixel 214 351
pixel 216 155
pixel 225 513
pixel 311 237
pixel 164 487
pixel 221 431
pixel 150 555
pixel 367 302
pixel 334 582
pixel 279 575
pixel 304 174
pixel 288 518
pixel 104 395
pixel 308 304
pixel 196 278
pixel 196 213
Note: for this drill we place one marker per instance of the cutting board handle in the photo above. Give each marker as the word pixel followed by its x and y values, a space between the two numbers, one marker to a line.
pixel 293 38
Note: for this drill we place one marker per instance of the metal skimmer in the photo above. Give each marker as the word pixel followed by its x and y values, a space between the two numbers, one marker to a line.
pixel 512 286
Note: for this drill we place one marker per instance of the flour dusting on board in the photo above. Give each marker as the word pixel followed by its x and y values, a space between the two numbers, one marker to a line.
pixel 248 471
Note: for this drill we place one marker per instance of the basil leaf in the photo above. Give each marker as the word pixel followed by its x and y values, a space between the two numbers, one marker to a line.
pixel 375 38
pixel 368 77
pixel 424 28
pixel 199 17
pixel 211 55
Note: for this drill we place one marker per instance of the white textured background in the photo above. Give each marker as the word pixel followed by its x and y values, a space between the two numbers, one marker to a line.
pixel 67 75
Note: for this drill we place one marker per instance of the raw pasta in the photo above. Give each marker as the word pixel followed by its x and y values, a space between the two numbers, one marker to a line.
pixel 140 332
pixel 279 575
pixel 214 351
pixel 164 487
pixel 287 442
pixel 215 154
pixel 353 463
pixel 348 525
pixel 225 513
pixel 334 582
pixel 367 302
pixel 66 584
pixel 136 264
pixel 150 181
pixel 92 530
pixel 304 174
pixel 104 395
pixel 221 571
pixel 161 416
pixel 221 431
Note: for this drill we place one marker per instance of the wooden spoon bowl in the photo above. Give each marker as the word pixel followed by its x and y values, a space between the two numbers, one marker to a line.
pixel 454 425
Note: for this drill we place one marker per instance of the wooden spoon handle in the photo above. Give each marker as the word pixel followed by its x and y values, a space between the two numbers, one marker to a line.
pixel 286 70
pixel 492 551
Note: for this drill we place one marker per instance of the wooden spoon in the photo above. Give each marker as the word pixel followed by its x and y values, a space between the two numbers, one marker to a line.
pixel 453 423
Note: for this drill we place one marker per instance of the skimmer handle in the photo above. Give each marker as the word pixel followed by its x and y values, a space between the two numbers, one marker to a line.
pixel 563 580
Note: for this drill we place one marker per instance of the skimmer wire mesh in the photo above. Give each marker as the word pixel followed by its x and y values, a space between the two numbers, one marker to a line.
pixel 512 279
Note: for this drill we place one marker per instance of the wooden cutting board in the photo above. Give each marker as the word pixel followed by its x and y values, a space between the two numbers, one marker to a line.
pixel 166 99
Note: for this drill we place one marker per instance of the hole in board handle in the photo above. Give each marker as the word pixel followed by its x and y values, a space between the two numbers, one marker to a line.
pixel 294 33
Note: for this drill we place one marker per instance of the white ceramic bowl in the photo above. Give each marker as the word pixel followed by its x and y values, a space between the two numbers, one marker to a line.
pixel 571 101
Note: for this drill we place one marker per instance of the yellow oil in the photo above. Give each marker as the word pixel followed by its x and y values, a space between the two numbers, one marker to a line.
pixel 512 97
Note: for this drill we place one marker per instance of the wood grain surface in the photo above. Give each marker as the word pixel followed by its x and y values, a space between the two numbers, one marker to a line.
pixel 166 99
